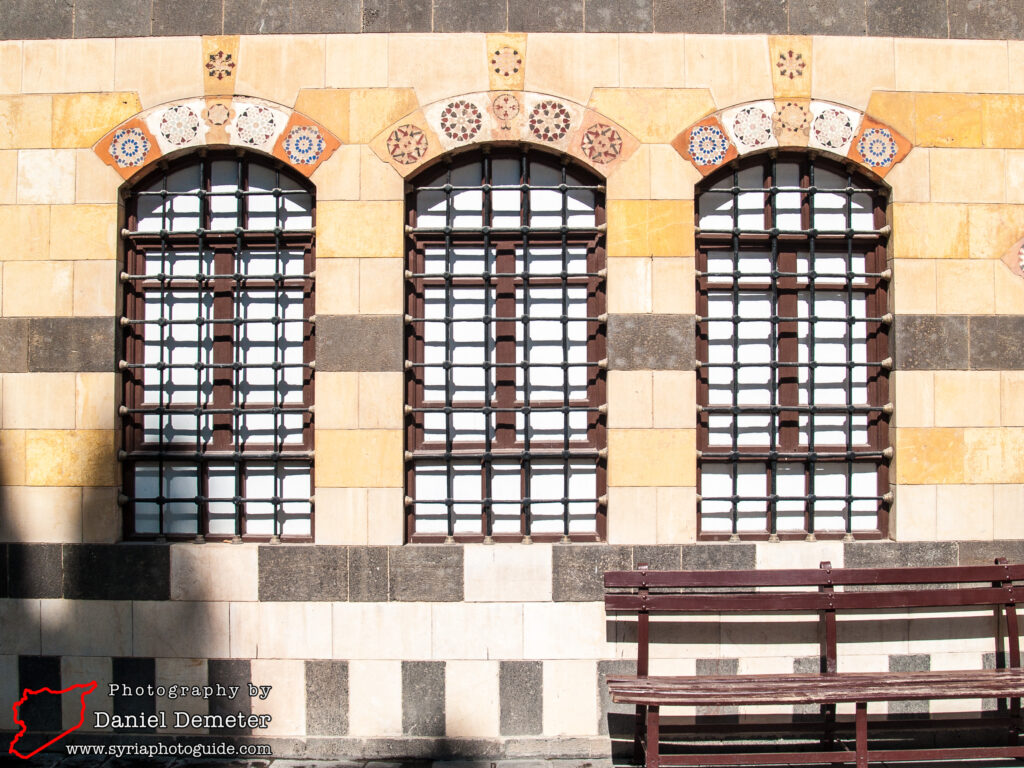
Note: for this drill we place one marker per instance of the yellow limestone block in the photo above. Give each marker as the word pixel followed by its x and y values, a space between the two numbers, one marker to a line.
pixel 70 457
pixel 653 115
pixel 897 109
pixel 954 175
pixel 650 228
pixel 964 286
pixel 930 231
pixel 277 67
pixel 371 110
pixel 927 456
pixel 26 231
pixel 994 229
pixel 848 69
pixel 82 119
pixel 437 66
pixel 652 457
pixel 12 456
pixel 83 232
pixel 359 458
pixel 38 289
pixel 360 229
pixel 1002 120
pixel 967 398
pixel 68 66
pixel 994 455
pixel 328 106
pixel 948 120
pixel 25 121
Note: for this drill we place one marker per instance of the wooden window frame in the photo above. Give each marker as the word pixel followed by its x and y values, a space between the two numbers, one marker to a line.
pixel 502 284
pixel 785 287
pixel 226 285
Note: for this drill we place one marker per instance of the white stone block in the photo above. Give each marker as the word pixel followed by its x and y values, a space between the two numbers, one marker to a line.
pixel 375 698
pixel 507 572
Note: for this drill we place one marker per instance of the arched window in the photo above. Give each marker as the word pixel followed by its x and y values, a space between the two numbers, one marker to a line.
pixel 792 339
pixel 218 351
pixel 505 304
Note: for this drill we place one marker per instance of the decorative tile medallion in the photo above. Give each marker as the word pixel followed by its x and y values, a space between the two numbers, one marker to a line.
pixel 792 123
pixel 708 145
pixel 304 144
pixel 506 109
pixel 217 116
pixel 407 144
pixel 218 113
pixel 129 147
pixel 179 125
pixel 255 125
pixel 550 121
pixel 752 127
pixel 601 143
pixel 877 147
pixel 791 64
pixel 506 61
pixel 220 65
pixel 832 128
pixel 461 120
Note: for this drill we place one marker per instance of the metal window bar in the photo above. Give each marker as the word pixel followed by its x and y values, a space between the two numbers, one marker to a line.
pixel 517 385
pixel 239 427
pixel 801 284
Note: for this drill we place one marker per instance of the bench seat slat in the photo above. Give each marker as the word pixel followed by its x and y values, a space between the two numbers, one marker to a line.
pixel 816 688
pixel 759 602
pixel 810 577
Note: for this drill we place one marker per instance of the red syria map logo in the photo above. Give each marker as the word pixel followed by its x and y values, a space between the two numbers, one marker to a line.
pixel 85 688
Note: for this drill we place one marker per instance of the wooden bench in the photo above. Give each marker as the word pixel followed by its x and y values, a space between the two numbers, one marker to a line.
pixel 825 591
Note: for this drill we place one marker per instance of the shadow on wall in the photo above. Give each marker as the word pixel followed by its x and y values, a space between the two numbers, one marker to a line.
pixel 74 613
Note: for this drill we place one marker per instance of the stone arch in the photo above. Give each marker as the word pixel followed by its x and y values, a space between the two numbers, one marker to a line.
pixel 249 123
pixel 551 122
pixel 823 126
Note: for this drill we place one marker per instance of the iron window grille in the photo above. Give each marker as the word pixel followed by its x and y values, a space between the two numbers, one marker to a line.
pixel 792 344
pixel 505 429
pixel 217 371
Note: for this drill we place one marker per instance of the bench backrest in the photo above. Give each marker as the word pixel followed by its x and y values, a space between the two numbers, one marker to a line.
pixel 645 592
